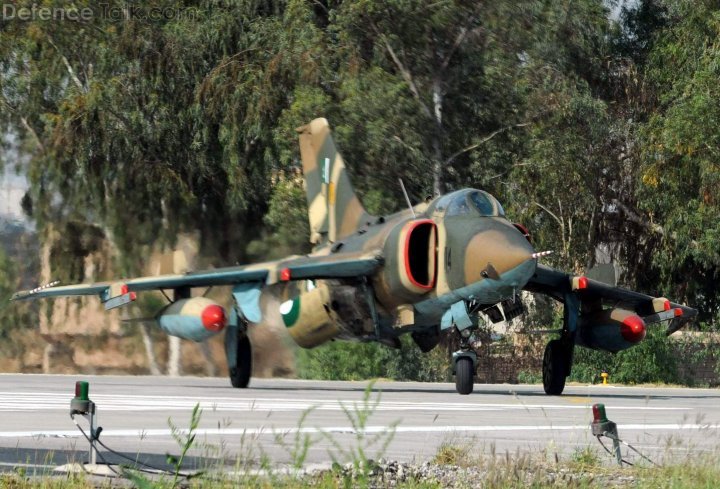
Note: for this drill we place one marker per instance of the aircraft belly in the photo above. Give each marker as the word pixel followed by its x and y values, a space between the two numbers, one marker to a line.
pixel 487 291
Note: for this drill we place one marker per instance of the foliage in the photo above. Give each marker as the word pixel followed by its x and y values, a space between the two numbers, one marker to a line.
pixel 340 361
pixel 530 377
pixel 654 360
pixel 367 446
pixel 357 361
pixel 13 318
pixel 599 134
pixel 185 438
pixel 679 176
pixel 288 231
pixel 301 443
pixel 452 454
pixel 586 458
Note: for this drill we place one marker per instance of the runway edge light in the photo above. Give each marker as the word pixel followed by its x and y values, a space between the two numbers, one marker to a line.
pixel 80 404
pixel 599 415
pixel 602 426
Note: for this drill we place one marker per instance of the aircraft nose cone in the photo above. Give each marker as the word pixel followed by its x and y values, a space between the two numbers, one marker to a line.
pixel 496 250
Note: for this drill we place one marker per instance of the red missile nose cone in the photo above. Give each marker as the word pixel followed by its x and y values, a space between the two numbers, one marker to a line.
pixel 214 318
pixel 633 329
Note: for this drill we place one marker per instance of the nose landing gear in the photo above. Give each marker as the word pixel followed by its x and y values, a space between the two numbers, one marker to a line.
pixel 464 364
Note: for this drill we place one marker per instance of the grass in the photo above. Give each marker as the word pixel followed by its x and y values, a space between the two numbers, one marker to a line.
pixel 499 474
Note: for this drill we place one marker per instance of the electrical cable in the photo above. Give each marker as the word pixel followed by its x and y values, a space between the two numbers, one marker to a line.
pixel 72 416
pixel 153 469
pixel 611 453
pixel 130 459
pixel 615 438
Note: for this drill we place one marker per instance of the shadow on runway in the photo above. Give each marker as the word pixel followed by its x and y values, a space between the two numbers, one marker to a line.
pixel 509 391
pixel 359 389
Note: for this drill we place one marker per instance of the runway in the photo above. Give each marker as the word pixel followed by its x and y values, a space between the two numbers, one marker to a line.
pixel 272 418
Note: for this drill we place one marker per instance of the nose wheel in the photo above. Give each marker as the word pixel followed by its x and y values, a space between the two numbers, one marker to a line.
pixel 464 375
pixel 464 366
pixel 556 367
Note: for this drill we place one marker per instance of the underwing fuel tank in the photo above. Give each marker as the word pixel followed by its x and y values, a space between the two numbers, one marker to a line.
pixel 611 330
pixel 195 319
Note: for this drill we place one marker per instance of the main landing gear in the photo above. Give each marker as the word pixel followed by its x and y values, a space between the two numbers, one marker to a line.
pixel 556 365
pixel 239 355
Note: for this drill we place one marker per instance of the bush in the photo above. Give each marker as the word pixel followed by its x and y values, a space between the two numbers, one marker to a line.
pixel 652 361
pixel 339 360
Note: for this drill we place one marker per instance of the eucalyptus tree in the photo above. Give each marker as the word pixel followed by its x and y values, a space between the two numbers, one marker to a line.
pixel 679 145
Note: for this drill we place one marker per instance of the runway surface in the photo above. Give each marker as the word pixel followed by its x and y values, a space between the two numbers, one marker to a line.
pixel 272 417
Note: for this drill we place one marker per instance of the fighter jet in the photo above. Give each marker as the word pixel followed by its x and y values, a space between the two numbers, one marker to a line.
pixel 443 267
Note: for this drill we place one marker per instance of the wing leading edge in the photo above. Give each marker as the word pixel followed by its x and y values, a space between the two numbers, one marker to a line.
pixel 299 268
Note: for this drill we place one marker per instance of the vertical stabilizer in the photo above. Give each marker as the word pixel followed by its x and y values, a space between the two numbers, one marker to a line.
pixel 333 208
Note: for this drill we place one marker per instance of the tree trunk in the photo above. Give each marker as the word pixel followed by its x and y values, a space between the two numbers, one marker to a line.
pixel 174 368
pixel 438 183
pixel 209 364
pixel 149 350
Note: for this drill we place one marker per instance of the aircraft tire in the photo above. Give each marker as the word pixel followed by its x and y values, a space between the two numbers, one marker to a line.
pixel 240 375
pixel 464 376
pixel 554 368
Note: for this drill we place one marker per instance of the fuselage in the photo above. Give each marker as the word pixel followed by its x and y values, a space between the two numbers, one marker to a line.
pixel 458 247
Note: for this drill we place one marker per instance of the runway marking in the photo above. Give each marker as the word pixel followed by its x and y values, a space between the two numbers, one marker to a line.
pixel 349 430
pixel 27 401
pixel 578 399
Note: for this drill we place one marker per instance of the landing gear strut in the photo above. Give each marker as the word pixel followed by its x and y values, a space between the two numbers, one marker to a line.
pixel 239 354
pixel 556 366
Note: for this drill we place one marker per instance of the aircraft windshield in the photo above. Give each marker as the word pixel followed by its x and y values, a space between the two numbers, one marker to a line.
pixel 458 207
pixel 467 202
pixel 486 204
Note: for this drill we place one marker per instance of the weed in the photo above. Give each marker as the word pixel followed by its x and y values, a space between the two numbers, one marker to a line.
pixel 585 457
pixel 357 453
pixel 452 454
pixel 529 377
pixel 185 439
pixel 302 441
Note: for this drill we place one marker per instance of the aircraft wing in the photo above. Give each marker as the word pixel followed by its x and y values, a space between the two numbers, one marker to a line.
pixel 347 265
pixel 557 284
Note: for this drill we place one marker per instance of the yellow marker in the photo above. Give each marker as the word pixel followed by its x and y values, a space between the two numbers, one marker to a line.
pixel 605 376
pixel 331 193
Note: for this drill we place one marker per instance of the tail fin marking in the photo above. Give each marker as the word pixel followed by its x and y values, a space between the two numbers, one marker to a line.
pixel 334 209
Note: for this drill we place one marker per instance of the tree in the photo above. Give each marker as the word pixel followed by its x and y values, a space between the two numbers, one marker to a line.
pixel 447 57
pixel 13 318
pixel 676 153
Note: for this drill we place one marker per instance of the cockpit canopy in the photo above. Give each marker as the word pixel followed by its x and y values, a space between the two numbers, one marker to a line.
pixel 469 202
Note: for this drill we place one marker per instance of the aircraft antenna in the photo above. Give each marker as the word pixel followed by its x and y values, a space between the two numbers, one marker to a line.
pixel 407 199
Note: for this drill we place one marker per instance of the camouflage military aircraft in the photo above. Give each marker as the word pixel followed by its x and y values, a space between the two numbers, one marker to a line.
pixel 438 268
